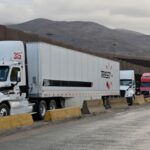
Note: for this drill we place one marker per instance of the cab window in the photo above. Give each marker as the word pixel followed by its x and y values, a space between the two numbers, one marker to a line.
pixel 14 74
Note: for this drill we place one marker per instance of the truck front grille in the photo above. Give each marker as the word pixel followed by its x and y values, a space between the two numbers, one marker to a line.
pixel 122 93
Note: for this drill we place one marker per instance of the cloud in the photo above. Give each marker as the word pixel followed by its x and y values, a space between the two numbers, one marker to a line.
pixel 131 8
pixel 130 14
pixel 14 12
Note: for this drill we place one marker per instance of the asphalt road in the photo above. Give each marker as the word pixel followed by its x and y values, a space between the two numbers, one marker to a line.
pixel 115 130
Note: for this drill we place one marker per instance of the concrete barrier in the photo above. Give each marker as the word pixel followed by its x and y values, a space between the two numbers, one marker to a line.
pixel 139 100
pixel 15 121
pixel 93 106
pixel 118 102
pixel 63 114
pixel 147 100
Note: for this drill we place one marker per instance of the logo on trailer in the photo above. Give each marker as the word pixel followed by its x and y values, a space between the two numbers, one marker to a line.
pixel 17 55
pixel 108 76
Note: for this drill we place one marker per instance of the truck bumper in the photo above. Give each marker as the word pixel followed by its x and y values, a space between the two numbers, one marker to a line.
pixel 18 107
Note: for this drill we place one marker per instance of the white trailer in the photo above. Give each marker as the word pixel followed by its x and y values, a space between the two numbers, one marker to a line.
pixel 50 76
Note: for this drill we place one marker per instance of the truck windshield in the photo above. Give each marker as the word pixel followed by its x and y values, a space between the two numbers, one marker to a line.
pixel 3 73
pixel 125 82
pixel 145 84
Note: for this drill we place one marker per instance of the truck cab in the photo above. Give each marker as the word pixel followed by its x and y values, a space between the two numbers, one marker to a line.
pixel 127 85
pixel 13 98
pixel 145 84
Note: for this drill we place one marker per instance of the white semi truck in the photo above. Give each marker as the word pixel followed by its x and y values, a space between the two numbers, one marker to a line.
pixel 37 76
pixel 127 85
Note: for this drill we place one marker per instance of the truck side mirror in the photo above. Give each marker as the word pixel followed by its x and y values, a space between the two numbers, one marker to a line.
pixel 130 85
pixel 19 76
pixel 34 80
pixel 134 84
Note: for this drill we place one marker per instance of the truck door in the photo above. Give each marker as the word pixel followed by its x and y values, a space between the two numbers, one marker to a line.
pixel 16 83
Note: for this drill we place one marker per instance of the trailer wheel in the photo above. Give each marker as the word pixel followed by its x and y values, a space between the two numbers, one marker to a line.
pixel 4 110
pixel 52 105
pixel 62 103
pixel 42 107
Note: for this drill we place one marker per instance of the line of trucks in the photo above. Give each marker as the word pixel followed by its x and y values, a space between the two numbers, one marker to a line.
pixel 36 77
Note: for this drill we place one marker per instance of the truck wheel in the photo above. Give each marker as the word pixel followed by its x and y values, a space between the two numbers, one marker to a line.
pixel 129 101
pixel 42 107
pixel 62 103
pixel 4 110
pixel 106 102
pixel 52 105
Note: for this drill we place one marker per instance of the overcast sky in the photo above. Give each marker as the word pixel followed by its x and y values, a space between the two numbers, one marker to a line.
pixel 128 14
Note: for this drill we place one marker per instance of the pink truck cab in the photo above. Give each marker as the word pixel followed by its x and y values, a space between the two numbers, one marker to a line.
pixel 145 84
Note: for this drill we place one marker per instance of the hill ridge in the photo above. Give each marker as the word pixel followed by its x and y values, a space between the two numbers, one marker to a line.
pixel 90 36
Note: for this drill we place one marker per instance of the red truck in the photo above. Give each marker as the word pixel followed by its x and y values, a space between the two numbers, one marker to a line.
pixel 145 84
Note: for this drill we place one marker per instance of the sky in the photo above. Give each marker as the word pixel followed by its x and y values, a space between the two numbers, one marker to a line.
pixel 123 14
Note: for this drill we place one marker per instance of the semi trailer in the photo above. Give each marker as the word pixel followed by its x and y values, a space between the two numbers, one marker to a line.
pixel 37 76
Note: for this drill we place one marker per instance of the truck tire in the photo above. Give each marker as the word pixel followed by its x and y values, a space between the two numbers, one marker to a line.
pixel 4 110
pixel 62 103
pixel 52 104
pixel 42 107
pixel 106 102
pixel 129 101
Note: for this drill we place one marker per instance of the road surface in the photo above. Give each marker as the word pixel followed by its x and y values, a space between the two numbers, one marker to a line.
pixel 115 130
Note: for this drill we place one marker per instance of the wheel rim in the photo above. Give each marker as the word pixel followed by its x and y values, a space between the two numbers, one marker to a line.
pixel 62 103
pixel 52 105
pixel 3 112
pixel 42 109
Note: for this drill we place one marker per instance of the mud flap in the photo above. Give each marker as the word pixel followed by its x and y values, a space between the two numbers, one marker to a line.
pixel 106 102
